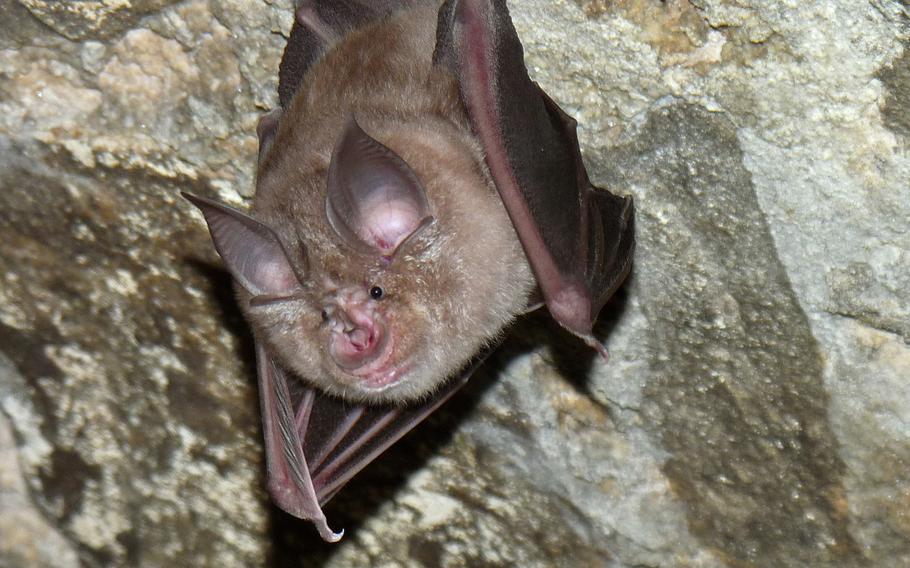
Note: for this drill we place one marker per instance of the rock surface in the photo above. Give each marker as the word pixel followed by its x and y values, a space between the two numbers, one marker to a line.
pixel 756 408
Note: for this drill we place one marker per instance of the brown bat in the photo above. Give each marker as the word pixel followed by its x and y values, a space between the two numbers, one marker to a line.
pixel 416 191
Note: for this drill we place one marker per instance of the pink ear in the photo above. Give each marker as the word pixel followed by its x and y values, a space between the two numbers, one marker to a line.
pixel 250 250
pixel 373 197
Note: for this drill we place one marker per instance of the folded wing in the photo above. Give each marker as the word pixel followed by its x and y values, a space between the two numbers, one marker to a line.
pixel 578 238
pixel 313 450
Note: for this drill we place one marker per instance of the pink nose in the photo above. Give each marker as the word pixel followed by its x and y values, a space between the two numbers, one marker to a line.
pixel 357 347
pixel 361 339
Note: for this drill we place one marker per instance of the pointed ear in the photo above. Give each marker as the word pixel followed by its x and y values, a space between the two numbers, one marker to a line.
pixel 251 251
pixel 374 200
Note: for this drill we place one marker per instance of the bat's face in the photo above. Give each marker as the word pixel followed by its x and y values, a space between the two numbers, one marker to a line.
pixel 368 331
pixel 400 274
pixel 362 336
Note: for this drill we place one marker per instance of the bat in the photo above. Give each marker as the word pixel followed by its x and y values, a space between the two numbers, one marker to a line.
pixel 416 191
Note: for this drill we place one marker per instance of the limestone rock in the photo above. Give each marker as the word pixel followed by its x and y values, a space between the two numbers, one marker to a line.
pixel 754 411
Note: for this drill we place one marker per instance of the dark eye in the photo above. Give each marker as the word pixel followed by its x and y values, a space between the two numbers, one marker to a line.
pixel 325 315
pixel 376 292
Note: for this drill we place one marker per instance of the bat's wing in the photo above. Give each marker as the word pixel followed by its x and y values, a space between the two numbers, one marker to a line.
pixel 578 238
pixel 314 443
pixel 317 445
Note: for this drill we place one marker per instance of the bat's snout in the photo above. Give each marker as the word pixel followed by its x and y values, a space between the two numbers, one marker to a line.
pixel 358 346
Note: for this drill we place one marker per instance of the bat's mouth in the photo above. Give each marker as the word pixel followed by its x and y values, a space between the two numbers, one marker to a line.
pixel 367 353
pixel 384 377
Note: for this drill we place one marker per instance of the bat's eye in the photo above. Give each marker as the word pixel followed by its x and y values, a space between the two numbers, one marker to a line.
pixel 376 292
pixel 325 315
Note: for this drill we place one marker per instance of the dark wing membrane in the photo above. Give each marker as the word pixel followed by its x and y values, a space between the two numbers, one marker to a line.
pixel 610 228
pixel 578 239
pixel 340 439
pixel 314 450
pixel 611 242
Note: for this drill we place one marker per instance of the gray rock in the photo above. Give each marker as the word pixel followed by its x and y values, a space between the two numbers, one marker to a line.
pixel 28 539
pixel 754 411
pixel 83 19
pixel 735 389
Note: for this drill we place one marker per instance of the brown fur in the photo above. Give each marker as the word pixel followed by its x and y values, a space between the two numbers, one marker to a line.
pixel 455 288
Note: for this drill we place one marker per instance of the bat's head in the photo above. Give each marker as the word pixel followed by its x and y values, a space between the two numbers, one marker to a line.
pixel 401 273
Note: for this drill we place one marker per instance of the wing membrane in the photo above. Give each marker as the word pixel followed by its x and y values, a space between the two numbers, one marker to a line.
pixel 314 450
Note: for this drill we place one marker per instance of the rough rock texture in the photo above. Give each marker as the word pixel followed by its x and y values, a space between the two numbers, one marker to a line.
pixel 756 408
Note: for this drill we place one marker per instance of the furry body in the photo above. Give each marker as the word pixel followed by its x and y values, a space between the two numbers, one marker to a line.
pixel 463 279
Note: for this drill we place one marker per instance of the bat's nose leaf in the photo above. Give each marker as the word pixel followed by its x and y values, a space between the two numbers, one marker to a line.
pixel 374 200
pixel 354 349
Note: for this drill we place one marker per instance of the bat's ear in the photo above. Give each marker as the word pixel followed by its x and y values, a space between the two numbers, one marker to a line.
pixel 252 252
pixel 374 200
